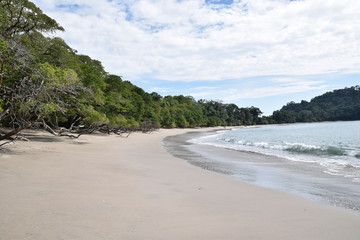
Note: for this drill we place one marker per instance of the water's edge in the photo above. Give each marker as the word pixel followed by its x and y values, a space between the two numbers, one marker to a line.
pixel 267 171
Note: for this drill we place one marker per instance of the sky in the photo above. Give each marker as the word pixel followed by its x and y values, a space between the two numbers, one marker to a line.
pixel 262 53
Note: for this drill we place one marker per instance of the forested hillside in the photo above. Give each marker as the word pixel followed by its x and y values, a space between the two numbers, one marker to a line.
pixel 44 83
pixel 338 105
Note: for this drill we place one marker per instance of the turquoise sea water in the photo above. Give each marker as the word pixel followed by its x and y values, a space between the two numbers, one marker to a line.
pixel 320 161
pixel 332 145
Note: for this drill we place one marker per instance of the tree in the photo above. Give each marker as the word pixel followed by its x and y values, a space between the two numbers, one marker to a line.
pixel 23 17
pixel 166 119
pixel 40 100
pixel 18 18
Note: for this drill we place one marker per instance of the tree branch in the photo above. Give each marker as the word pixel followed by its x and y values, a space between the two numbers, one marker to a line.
pixel 8 136
pixel 2 144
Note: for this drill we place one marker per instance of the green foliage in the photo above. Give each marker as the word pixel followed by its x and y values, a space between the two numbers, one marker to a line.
pixel 23 17
pixel 1 105
pixel 46 110
pixel 219 114
pixel 118 120
pixel 54 76
pixel 92 73
pixel 56 52
pixel 342 104
pixel 166 119
pixel 19 20
pixel 91 116
pixel 3 19
pixel 3 46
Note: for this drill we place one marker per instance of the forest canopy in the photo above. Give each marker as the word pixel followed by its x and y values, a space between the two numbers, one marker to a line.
pixel 338 105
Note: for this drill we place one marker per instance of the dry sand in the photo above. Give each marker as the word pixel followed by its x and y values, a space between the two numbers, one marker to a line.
pixel 117 188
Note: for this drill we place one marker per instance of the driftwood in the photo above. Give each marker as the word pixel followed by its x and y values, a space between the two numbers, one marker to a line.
pixel 10 134
pixel 4 143
pixel 74 131
pixel 121 131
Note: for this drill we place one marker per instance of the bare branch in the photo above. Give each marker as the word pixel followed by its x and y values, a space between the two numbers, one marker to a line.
pixel 8 142
pixel 4 113
pixel 9 135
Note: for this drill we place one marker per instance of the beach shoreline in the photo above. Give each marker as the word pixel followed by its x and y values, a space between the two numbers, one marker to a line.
pixel 108 187
pixel 308 180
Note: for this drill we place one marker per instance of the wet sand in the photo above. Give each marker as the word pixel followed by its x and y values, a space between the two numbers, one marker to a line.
pixel 308 180
pixel 98 187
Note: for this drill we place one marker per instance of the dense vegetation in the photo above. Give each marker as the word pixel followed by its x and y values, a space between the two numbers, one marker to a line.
pixel 338 105
pixel 44 83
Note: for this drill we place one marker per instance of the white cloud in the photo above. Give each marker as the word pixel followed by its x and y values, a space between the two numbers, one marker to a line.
pixel 262 88
pixel 189 40
pixel 160 90
pixel 276 90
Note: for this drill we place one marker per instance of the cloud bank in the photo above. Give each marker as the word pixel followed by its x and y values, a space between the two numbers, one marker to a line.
pixel 194 40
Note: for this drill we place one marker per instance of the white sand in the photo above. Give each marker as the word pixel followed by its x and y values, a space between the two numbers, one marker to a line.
pixel 116 188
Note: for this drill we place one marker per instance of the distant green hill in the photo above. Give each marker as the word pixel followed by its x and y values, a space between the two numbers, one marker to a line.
pixel 338 105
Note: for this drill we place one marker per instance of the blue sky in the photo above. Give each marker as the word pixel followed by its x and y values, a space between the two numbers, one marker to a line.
pixel 262 53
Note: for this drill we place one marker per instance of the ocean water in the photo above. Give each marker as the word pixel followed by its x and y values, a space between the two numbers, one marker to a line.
pixel 320 161
pixel 333 145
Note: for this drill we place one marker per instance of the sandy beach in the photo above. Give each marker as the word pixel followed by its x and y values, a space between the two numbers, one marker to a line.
pixel 114 188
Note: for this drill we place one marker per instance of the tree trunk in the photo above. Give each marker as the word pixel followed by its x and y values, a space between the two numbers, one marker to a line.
pixel 8 136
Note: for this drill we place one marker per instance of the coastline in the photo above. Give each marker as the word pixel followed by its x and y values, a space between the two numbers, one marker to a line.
pixel 307 180
pixel 98 187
